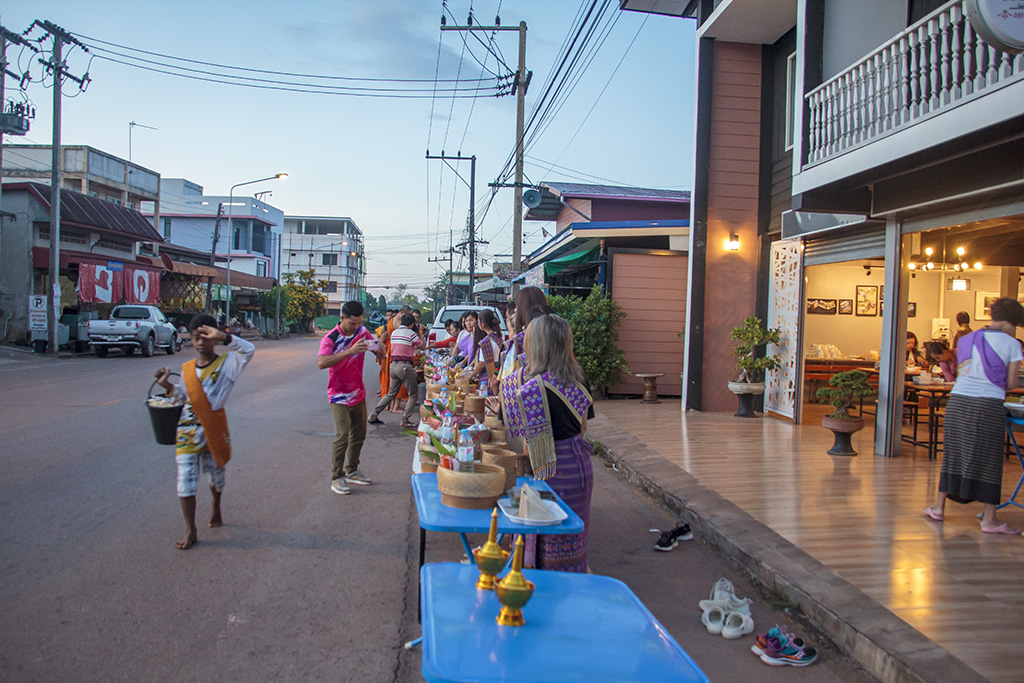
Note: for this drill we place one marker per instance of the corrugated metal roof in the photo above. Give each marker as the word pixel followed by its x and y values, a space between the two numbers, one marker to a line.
pixel 618 192
pixel 80 209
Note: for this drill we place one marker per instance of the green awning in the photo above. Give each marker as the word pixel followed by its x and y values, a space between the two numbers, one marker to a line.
pixel 564 262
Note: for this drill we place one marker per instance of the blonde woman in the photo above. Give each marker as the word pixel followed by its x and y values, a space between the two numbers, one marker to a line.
pixel 553 405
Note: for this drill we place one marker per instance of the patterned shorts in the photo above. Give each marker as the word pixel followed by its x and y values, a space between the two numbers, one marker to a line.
pixel 189 466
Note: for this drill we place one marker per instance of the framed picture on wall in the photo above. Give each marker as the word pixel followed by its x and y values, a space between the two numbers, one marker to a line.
pixel 983 304
pixel 846 307
pixel 912 309
pixel 821 306
pixel 867 299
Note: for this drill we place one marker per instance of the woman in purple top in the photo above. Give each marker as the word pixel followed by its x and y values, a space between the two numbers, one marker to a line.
pixel 465 346
pixel 972 457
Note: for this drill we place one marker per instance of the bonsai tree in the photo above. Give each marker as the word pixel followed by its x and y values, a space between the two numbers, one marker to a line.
pixel 750 336
pixel 842 388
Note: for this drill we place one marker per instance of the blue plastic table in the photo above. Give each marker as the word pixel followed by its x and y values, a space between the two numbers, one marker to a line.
pixel 579 627
pixel 1012 422
pixel 436 516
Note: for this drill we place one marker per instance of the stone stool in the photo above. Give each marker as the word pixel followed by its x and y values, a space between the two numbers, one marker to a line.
pixel 650 385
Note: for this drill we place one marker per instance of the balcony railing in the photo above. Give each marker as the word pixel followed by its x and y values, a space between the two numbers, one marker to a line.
pixel 930 67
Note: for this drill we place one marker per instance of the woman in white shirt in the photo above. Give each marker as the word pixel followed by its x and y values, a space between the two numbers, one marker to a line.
pixel 972 459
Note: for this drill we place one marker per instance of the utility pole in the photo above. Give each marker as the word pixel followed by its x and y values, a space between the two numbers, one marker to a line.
pixel 522 81
pixel 213 254
pixel 9 126
pixel 473 241
pixel 517 213
pixel 57 67
pixel 277 304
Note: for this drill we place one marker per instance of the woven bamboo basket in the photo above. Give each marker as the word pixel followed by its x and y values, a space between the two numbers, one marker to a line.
pixel 474 404
pixel 429 459
pixel 498 435
pixel 514 464
pixel 493 445
pixel 492 422
pixel 478 490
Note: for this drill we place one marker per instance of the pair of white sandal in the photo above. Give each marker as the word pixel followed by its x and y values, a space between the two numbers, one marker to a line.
pixel 725 614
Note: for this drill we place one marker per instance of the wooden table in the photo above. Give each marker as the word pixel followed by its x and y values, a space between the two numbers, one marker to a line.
pixel 936 393
pixel 579 627
pixel 650 385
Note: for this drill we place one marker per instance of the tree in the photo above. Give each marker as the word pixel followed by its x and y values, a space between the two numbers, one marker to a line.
pixel 400 291
pixel 595 323
pixel 382 304
pixel 305 302
pixel 438 290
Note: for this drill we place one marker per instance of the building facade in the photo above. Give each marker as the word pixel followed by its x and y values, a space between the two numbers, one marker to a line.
pixel 90 171
pixel 333 248
pixel 868 156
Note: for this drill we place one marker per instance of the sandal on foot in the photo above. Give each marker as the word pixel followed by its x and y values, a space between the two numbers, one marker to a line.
pixel 930 513
pixel 1003 528
pixel 375 421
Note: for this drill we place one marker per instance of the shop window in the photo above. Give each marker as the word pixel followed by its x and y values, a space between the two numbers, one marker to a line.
pixel 329 259
pixel 329 287
pixel 261 268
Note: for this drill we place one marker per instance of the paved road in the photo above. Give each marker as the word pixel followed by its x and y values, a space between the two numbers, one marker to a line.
pixel 300 584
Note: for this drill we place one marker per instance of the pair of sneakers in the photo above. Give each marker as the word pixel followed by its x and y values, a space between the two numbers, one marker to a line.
pixel 780 648
pixel 725 614
pixel 341 486
pixel 670 539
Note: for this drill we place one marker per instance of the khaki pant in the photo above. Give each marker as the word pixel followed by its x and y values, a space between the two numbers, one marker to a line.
pixel 349 435
pixel 402 374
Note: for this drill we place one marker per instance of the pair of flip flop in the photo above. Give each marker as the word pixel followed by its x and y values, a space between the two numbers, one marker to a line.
pixel 1003 528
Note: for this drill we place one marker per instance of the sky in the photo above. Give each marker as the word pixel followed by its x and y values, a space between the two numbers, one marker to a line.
pixel 628 120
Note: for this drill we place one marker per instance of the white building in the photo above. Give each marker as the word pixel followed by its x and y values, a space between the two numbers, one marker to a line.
pixel 333 247
pixel 191 219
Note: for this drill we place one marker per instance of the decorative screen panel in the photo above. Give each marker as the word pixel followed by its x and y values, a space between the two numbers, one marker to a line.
pixel 784 308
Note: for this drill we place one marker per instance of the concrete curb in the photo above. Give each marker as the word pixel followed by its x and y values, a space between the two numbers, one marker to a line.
pixel 886 646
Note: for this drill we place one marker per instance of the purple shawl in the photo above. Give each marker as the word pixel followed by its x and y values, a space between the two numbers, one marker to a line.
pixel 535 417
pixel 994 367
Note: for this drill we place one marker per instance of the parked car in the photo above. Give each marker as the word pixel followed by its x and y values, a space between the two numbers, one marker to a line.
pixel 437 333
pixel 134 327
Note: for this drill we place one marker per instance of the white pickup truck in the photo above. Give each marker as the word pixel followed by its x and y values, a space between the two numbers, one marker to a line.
pixel 134 327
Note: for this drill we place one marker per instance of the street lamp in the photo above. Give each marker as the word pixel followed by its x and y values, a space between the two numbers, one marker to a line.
pixel 231 234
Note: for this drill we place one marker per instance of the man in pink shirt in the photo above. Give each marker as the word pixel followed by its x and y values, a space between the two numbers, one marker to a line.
pixel 341 351
pixel 404 342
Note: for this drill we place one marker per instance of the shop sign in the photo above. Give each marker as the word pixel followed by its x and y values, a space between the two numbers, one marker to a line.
pixel 115 266
pixel 1000 23
pixel 37 312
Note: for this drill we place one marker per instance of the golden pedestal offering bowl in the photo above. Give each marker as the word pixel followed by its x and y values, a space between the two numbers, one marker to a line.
pixel 514 591
pixel 490 559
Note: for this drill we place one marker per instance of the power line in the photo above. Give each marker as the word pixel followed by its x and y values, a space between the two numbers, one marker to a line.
pixel 262 71
pixel 312 90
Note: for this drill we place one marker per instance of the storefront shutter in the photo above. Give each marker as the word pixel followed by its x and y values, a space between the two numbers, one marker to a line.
pixel 865 242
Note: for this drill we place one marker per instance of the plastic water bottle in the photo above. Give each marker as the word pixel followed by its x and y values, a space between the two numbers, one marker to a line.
pixel 448 430
pixel 444 395
pixel 483 389
pixel 464 456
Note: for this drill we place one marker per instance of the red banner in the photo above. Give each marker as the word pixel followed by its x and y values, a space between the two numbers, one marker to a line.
pixel 99 284
pixel 141 286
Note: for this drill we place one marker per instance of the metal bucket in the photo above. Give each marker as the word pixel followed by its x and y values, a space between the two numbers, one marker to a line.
pixel 165 419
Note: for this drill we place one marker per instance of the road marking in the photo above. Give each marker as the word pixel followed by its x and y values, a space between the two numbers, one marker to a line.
pixel 116 400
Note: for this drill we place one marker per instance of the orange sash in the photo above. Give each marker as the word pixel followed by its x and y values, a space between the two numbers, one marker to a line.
pixel 214 422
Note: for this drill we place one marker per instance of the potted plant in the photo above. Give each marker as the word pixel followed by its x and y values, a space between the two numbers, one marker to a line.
pixel 750 383
pixel 842 389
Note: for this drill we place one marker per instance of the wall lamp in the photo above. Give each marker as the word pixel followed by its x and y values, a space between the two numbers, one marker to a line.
pixel 733 243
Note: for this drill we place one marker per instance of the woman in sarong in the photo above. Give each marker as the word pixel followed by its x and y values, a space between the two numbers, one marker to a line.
pixel 972 459
pixel 488 355
pixel 553 405
pixel 465 348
